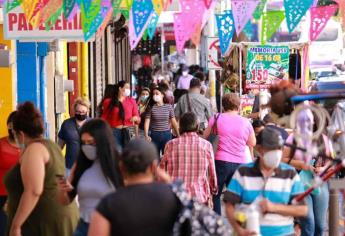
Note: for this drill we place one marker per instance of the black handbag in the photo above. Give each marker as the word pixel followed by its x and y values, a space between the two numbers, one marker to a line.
pixel 126 136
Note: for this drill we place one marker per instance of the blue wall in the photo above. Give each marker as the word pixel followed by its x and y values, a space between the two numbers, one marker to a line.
pixel 31 74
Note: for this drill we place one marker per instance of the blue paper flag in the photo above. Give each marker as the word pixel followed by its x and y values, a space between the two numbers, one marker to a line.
pixel 226 29
pixel 141 10
pixel 295 10
pixel 152 25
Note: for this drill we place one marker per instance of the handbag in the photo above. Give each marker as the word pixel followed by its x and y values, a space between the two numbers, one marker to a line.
pixel 214 138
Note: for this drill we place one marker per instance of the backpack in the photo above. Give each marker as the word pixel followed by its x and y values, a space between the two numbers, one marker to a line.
pixel 197 219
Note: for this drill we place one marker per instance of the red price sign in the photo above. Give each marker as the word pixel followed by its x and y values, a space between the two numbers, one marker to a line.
pixel 259 75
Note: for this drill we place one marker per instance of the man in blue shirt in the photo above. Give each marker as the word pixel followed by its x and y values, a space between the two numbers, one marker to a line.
pixel 69 132
pixel 276 183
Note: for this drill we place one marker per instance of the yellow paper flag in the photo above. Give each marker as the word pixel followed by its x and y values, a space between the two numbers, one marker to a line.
pixel 158 6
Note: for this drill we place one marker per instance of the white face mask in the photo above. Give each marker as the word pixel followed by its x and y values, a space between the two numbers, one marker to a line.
pixel 272 158
pixel 127 92
pixel 157 98
pixel 185 73
pixel 90 152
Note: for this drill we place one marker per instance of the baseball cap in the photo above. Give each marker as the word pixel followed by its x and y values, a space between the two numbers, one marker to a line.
pixel 270 138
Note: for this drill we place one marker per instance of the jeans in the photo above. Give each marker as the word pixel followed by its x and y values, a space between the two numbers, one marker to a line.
pixel 82 228
pixel 160 138
pixel 118 138
pixel 314 224
pixel 224 171
pixel 3 216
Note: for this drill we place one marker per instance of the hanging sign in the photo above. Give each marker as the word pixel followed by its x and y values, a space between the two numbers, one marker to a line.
pixel 247 103
pixel 213 53
pixel 16 26
pixel 266 65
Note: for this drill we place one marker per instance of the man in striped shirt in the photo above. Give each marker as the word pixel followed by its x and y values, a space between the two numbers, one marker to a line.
pixel 277 183
pixel 190 158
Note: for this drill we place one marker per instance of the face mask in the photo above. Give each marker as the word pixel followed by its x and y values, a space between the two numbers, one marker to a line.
pixel 144 98
pixel 272 158
pixel 127 92
pixel 19 145
pixel 80 117
pixel 185 73
pixel 157 98
pixel 90 152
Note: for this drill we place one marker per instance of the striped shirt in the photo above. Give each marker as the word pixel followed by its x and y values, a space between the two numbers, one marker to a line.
pixel 248 183
pixel 191 159
pixel 160 117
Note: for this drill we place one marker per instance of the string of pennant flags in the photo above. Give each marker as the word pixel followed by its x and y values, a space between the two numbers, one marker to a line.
pixel 143 16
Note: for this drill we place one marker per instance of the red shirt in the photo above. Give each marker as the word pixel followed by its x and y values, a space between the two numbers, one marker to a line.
pixel 9 156
pixel 130 108
pixel 191 159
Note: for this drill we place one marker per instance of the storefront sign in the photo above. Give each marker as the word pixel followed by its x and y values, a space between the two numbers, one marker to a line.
pixel 247 103
pixel 213 53
pixel 266 65
pixel 17 27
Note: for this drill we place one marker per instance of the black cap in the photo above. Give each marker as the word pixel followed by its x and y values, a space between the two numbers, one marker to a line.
pixel 270 138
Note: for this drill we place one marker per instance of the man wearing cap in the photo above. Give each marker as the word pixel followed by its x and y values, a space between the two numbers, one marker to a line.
pixel 276 183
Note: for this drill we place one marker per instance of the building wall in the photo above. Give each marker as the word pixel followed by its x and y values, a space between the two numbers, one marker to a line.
pixel 7 87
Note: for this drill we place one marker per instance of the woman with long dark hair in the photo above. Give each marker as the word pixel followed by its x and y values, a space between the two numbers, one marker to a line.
pixel 121 112
pixel 95 174
pixel 109 92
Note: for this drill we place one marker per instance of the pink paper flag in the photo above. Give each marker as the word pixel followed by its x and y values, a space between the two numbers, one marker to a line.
pixel 208 13
pixel 243 11
pixel 195 8
pixel 319 18
pixel 181 36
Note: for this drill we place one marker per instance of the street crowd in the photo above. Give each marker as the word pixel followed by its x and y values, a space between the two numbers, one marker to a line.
pixel 120 169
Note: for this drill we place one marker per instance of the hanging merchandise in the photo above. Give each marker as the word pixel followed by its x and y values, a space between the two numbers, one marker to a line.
pixel 259 10
pixel 157 6
pixel 152 25
pixel 271 21
pixel 319 18
pixel 242 12
pixel 225 24
pixel 141 12
pixel 295 10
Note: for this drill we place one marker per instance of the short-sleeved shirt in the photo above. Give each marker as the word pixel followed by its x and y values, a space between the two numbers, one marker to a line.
pixel 160 117
pixel 130 108
pixel 248 183
pixel 145 209
pixel 234 132
pixel 198 104
pixel 69 133
pixel 9 156
pixel 184 82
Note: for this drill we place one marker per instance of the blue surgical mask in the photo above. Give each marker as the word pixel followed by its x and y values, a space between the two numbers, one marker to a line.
pixel 144 98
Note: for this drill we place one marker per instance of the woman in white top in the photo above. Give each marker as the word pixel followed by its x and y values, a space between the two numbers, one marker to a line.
pixel 95 173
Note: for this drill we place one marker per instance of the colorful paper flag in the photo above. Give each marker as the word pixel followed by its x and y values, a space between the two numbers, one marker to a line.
pixel 341 4
pixel 196 35
pixel 259 10
pixel 10 5
pixel 181 35
pixel 208 3
pixel 242 12
pixel 28 7
pixel 151 28
pixel 319 17
pixel 271 21
pixel 52 19
pixel 294 11
pixel 68 7
pixel 116 6
pixel 129 4
pixel 157 6
pixel 141 11
pixel 133 38
pixel 50 9
pixel 248 31
pixel 226 28
pixel 196 9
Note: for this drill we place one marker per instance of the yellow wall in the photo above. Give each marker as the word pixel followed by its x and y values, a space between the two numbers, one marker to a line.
pixel 7 88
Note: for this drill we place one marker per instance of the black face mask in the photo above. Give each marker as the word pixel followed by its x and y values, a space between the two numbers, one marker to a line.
pixel 80 117
pixel 10 134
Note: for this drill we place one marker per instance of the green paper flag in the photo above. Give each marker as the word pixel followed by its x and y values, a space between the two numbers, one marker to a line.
pixel 125 13
pixel 116 6
pixel 145 35
pixel 10 5
pixel 259 10
pixel 51 21
pixel 88 17
pixel 129 4
pixel 271 21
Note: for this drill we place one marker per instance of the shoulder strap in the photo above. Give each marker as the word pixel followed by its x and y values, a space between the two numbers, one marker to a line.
pixel 189 103
pixel 215 125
